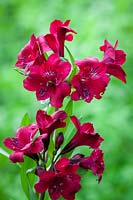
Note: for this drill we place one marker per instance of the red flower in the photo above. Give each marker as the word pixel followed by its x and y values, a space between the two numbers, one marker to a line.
pixel 85 135
pixel 48 123
pixel 94 162
pixel 24 143
pixel 62 181
pixel 91 80
pixel 30 54
pixel 114 59
pixel 48 80
pixel 58 34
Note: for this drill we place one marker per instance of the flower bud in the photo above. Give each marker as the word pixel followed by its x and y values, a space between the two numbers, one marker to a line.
pixel 76 158
pixel 59 140
pixel 39 170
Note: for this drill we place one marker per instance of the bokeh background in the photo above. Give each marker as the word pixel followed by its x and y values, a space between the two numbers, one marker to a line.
pixel 112 116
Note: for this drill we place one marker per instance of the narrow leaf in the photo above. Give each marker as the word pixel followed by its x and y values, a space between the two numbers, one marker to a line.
pixel 75 69
pixel 25 120
pixel 4 153
pixel 27 178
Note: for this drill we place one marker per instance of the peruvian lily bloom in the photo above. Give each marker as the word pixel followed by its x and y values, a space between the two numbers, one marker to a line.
pixel 48 123
pixel 30 54
pixel 114 59
pixel 91 80
pixel 25 143
pixel 62 181
pixel 48 80
pixel 59 32
pixel 85 136
pixel 94 162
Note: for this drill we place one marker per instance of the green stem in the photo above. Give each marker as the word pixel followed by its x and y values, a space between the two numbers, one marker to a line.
pixel 42 196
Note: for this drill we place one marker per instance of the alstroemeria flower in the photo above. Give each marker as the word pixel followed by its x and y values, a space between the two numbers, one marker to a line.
pixel 30 54
pixel 85 136
pixel 48 80
pixel 114 59
pixel 94 162
pixel 91 80
pixel 48 123
pixel 59 32
pixel 25 143
pixel 62 181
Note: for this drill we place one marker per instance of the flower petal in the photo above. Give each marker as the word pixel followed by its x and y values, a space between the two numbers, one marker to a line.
pixel 116 71
pixel 16 157
pixel 60 93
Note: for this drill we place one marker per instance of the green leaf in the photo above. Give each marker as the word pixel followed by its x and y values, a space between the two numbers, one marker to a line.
pixel 4 153
pixel 20 71
pixel 51 147
pixel 27 178
pixel 51 110
pixel 75 69
pixel 68 110
pixel 25 120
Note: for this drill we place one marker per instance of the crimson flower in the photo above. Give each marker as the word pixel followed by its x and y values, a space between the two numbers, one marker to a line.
pixel 48 123
pixel 94 162
pixel 85 135
pixel 48 80
pixel 91 80
pixel 58 34
pixel 30 54
pixel 63 181
pixel 25 143
pixel 114 59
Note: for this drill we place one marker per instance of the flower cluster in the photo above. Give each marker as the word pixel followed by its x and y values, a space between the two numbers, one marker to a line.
pixel 62 172
pixel 50 75
pixel 53 77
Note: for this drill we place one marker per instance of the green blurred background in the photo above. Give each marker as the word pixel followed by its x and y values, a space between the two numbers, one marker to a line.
pixel 112 116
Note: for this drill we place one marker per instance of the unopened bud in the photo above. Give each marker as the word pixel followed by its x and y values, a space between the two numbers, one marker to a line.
pixel 76 158
pixel 39 170
pixel 59 140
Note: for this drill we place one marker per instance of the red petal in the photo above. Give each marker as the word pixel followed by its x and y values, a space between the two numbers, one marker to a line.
pixel 61 91
pixel 67 22
pixel 55 25
pixel 44 182
pixel 62 164
pixel 120 57
pixel 69 37
pixel 31 84
pixel 59 115
pixel 116 71
pixel 52 43
pixel 76 122
pixel 17 157
pixel 12 143
pixel 44 45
